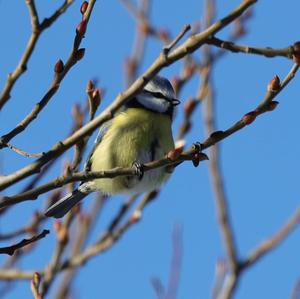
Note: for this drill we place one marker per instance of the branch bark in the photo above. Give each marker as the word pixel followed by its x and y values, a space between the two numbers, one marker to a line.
pixel 190 45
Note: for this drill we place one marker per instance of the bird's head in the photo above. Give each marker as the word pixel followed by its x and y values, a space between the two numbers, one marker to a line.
pixel 158 95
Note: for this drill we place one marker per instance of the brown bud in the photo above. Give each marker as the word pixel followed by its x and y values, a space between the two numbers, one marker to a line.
pixel 84 7
pixel 274 84
pixel 57 225
pixel 272 105
pixel 136 216
pixel 83 219
pixel 175 83
pixel 36 279
pixel 189 107
pixel 90 86
pixel 174 153
pixel 130 65
pixel 196 160
pixel 196 27
pixel 54 197
pixel 76 209
pixel 63 235
pixel 152 194
pixel 189 70
pixel 199 157
pixel 163 34
pixel 78 115
pixel 79 53
pixel 81 28
pixel 239 28
pixel 145 28
pixel 59 66
pixel 249 117
pixel 96 97
pixel 31 229
pixel 296 52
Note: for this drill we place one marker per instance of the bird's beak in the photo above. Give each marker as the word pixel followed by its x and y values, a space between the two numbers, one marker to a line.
pixel 175 102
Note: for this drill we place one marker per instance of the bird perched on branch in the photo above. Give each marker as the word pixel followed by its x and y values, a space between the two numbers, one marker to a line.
pixel 139 133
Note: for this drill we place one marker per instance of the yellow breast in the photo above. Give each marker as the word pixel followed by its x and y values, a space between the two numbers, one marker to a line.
pixel 135 135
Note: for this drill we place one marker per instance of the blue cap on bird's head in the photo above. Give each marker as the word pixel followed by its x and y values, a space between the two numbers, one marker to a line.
pixel 158 95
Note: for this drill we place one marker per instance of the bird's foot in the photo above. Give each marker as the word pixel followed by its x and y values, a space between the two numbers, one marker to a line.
pixel 139 169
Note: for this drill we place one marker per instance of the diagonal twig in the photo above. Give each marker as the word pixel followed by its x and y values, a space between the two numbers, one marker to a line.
pixel 190 45
pixel 11 249
pixel 37 30
pixel 60 71
pixel 267 52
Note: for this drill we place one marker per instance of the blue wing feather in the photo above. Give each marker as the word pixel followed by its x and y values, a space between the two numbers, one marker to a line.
pixel 102 131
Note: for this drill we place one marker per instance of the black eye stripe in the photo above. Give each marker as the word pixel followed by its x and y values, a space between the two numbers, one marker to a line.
pixel 158 95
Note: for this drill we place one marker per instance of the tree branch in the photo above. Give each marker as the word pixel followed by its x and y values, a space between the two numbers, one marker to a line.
pixel 86 176
pixel 267 52
pixel 37 29
pixel 190 45
pixel 60 71
pixel 272 242
pixel 10 250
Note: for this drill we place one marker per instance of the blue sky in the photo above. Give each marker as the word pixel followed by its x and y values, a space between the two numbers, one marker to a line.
pixel 260 163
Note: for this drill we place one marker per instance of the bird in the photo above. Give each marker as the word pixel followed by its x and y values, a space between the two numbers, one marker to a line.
pixel 139 133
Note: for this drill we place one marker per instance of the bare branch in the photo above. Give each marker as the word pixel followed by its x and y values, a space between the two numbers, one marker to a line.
pixel 15 274
pixel 133 62
pixel 62 238
pixel 267 52
pixel 11 249
pixel 37 29
pixel 60 71
pixel 86 176
pixel 169 47
pixel 272 242
pixel 190 45
pixel 35 285
pixel 23 153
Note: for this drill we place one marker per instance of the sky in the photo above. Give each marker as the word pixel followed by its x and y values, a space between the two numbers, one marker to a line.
pixel 260 164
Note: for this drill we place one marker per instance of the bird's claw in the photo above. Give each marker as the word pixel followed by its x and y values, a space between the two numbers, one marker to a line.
pixel 198 147
pixel 139 169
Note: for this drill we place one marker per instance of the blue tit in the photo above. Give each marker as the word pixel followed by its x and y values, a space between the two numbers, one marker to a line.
pixel 139 133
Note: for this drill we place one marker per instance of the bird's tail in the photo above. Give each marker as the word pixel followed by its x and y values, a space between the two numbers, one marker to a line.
pixel 62 206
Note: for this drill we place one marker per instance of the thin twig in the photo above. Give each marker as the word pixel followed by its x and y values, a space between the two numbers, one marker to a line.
pixel 215 137
pixel 133 63
pixel 176 263
pixel 86 176
pixel 272 242
pixel 62 241
pixel 37 29
pixel 190 45
pixel 169 47
pixel 296 290
pixel 23 153
pixel 267 52
pixel 11 249
pixel 59 75
pixel 84 227
pixel 214 166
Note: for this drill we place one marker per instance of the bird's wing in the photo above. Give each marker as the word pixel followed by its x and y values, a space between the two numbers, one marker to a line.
pixel 102 131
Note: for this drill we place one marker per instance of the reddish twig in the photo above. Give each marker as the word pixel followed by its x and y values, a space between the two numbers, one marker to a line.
pixel 37 29
pixel 189 46
pixel 60 71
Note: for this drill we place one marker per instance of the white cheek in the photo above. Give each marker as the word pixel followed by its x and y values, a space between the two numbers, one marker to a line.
pixel 156 104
